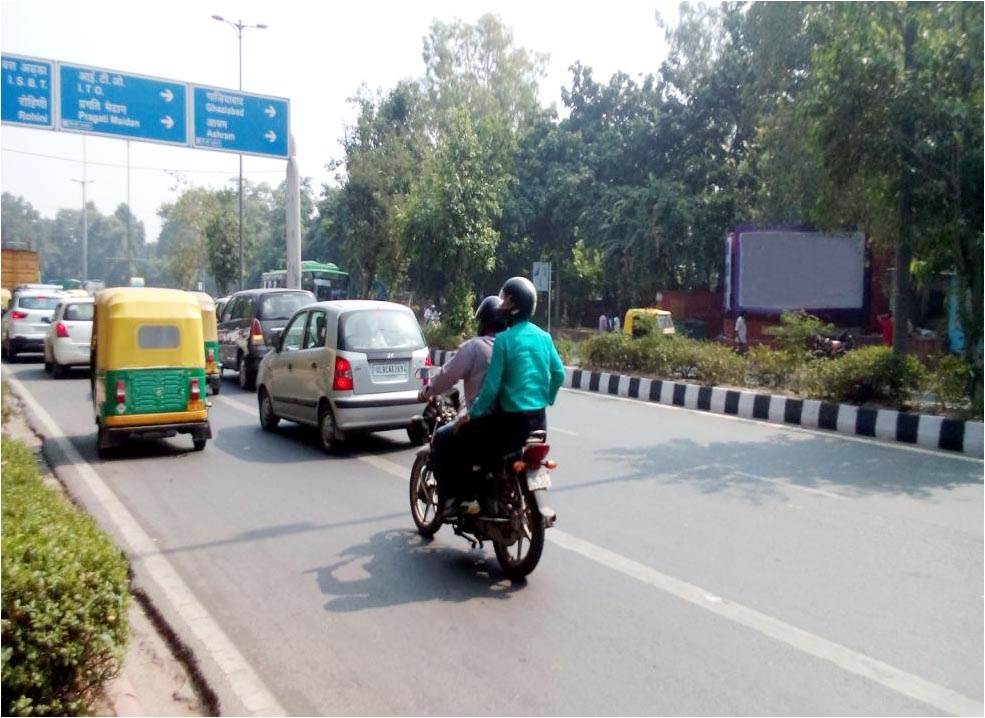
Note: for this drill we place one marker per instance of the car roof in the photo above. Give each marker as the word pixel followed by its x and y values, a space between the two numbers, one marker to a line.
pixel 40 293
pixel 265 290
pixel 70 299
pixel 340 306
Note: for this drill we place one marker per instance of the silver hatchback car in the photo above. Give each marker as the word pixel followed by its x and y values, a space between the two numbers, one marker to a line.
pixel 345 366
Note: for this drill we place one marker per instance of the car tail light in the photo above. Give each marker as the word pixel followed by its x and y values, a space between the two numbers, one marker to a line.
pixel 195 390
pixel 61 331
pixel 535 453
pixel 121 391
pixel 427 361
pixel 18 315
pixel 343 375
pixel 256 332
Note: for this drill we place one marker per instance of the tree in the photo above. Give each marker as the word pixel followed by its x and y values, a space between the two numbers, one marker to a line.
pixel 20 224
pixel 221 240
pixel 450 217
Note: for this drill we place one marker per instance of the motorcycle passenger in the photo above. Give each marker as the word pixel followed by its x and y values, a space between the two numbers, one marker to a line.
pixel 469 365
pixel 524 376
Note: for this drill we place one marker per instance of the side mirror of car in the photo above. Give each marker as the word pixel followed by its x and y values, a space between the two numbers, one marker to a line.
pixel 277 337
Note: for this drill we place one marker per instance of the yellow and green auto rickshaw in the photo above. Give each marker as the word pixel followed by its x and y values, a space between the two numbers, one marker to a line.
pixel 210 331
pixel 660 319
pixel 148 366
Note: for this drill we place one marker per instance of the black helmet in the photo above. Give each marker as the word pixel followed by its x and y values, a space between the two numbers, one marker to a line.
pixel 524 296
pixel 488 317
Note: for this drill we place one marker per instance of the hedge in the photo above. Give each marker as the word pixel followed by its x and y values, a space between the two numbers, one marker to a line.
pixel 64 596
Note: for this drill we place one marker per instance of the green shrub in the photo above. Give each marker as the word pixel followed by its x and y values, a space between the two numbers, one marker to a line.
pixel 64 597
pixel 441 336
pixel 796 328
pixel 566 348
pixel 772 368
pixel 671 357
pixel 950 381
pixel 866 374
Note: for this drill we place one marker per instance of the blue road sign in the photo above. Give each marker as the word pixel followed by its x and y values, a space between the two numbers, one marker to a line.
pixel 105 102
pixel 28 89
pixel 232 121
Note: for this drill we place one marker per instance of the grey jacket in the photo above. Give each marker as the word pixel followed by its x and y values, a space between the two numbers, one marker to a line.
pixel 469 364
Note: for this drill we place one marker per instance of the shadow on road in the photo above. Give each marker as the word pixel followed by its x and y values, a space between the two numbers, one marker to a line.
pixel 398 567
pixel 813 462
pixel 293 443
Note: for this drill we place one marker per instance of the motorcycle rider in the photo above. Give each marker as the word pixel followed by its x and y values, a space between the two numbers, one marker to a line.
pixel 469 365
pixel 524 376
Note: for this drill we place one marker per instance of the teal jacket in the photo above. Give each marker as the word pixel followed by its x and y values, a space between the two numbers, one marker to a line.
pixel 524 374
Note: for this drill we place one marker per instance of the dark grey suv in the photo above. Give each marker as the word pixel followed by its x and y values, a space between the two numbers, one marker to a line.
pixel 246 324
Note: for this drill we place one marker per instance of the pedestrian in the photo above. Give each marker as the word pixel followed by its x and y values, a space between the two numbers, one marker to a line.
pixel 886 326
pixel 615 323
pixel 603 322
pixel 741 339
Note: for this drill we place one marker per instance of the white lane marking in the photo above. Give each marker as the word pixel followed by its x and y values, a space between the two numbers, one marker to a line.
pixel 845 658
pixel 559 430
pixel 788 484
pixel 875 670
pixel 783 427
pixel 243 680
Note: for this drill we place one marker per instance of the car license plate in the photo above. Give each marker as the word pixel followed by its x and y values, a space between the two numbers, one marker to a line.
pixel 540 480
pixel 390 371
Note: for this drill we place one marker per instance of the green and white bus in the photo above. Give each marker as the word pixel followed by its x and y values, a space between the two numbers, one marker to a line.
pixel 324 279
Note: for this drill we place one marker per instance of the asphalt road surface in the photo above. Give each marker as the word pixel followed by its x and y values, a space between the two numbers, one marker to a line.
pixel 700 565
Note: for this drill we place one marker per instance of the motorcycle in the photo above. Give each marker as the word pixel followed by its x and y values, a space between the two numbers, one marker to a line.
pixel 822 346
pixel 512 514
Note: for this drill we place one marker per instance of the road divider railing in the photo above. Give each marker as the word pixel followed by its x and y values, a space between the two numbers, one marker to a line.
pixel 925 430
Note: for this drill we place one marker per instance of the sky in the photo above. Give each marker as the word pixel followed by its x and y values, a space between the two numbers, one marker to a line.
pixel 316 53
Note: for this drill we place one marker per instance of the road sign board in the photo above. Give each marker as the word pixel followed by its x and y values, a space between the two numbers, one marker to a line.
pixel 28 92
pixel 232 121
pixel 542 276
pixel 106 102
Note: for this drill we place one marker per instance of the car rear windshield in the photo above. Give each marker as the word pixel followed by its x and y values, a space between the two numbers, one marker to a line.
pixel 38 302
pixel 158 336
pixel 282 306
pixel 79 312
pixel 376 329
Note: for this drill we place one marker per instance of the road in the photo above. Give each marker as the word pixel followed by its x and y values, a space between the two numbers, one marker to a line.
pixel 701 565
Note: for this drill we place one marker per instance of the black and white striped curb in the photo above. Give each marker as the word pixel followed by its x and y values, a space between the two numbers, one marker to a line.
pixel 932 432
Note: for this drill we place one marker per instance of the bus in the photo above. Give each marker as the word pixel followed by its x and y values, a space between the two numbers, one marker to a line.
pixel 324 279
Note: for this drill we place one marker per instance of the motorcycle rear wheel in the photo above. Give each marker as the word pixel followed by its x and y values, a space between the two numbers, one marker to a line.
pixel 424 498
pixel 519 559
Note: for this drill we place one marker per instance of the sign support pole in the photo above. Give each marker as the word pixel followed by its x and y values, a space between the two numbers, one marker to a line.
pixel 550 275
pixel 292 202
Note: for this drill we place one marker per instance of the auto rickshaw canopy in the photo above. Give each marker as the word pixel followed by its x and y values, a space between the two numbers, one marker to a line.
pixel 138 328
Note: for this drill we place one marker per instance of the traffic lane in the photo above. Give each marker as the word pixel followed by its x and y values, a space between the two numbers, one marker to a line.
pixel 270 584
pixel 863 568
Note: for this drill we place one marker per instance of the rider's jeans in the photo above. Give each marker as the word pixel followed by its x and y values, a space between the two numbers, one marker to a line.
pixel 443 458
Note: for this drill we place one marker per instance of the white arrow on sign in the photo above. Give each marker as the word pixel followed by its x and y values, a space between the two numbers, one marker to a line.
pixel 167 122
pixel 270 136
pixel 271 112
pixel 167 94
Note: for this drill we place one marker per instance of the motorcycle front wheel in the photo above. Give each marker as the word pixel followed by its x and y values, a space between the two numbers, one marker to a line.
pixel 424 498
pixel 520 558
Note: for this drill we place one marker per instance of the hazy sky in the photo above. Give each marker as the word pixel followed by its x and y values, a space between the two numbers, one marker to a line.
pixel 316 54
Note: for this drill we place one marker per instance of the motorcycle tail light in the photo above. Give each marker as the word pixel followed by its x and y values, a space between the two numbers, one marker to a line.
pixel 61 331
pixel 535 453
pixel 343 375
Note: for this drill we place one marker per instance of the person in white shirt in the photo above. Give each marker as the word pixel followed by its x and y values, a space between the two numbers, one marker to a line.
pixel 741 340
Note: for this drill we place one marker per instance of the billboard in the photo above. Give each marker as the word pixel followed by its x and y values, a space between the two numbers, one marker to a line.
pixel 771 271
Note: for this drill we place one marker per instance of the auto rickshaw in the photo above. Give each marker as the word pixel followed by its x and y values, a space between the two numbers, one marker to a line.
pixel 663 322
pixel 210 331
pixel 148 367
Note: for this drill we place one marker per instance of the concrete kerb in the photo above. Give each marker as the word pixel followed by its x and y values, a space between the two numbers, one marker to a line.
pixel 930 432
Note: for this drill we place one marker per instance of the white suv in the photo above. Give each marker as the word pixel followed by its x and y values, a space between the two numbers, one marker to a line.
pixel 69 335
pixel 26 321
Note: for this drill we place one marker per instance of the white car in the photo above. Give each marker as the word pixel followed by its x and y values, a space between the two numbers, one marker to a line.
pixel 26 320
pixel 67 342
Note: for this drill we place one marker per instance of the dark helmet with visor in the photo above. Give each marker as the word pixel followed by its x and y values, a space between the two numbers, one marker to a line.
pixel 523 296
pixel 488 317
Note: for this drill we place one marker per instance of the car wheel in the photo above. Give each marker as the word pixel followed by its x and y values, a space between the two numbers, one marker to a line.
pixel 247 375
pixel 11 352
pixel 328 435
pixel 103 442
pixel 268 419
pixel 47 363
pixel 57 370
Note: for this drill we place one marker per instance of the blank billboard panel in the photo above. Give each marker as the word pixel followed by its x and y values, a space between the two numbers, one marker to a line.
pixel 786 270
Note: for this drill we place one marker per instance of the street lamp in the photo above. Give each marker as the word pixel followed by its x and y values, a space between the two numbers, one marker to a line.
pixel 239 27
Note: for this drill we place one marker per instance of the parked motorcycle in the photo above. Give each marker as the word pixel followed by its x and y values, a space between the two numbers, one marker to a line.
pixel 821 345
pixel 512 513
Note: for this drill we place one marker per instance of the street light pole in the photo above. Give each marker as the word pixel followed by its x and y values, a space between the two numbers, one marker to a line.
pixel 85 217
pixel 239 27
